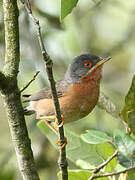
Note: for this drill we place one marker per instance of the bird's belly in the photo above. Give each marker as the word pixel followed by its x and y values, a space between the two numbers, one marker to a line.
pixel 77 108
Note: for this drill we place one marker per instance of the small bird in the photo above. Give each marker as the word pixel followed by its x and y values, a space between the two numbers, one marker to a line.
pixel 77 92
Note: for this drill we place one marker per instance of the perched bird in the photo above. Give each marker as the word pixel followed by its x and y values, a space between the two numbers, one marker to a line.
pixel 78 91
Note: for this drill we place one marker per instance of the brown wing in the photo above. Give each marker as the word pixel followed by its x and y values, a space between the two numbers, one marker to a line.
pixel 45 93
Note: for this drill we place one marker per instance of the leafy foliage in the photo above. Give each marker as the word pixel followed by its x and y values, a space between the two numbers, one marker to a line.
pixel 67 7
pixel 81 153
pixel 128 112
pixel 79 175
pixel 126 148
pixel 95 137
pixel 124 142
pixel 93 148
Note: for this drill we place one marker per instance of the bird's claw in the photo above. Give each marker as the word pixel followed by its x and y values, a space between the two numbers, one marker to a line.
pixel 62 143
pixel 56 124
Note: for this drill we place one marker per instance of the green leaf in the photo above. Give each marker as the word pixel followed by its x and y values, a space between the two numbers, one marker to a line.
pixel 95 137
pixel 79 152
pixel 67 7
pixel 131 174
pixel 76 148
pixel 128 112
pixel 131 120
pixel 125 143
pixel 79 175
pixel 126 161
pixel 83 164
pixel 105 150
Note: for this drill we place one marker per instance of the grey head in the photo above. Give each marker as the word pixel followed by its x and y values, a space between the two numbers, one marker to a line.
pixel 80 66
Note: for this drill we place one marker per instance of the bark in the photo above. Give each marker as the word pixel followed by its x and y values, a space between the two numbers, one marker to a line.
pixel 11 94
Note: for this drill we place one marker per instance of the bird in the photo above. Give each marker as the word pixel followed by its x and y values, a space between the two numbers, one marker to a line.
pixel 78 92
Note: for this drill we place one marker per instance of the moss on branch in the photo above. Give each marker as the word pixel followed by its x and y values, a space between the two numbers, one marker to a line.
pixel 12 56
pixel 11 93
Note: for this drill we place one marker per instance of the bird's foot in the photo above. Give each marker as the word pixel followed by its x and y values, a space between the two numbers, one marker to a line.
pixel 61 143
pixel 56 124
pixel 48 121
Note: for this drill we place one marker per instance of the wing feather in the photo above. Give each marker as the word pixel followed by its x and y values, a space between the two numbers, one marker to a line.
pixel 45 93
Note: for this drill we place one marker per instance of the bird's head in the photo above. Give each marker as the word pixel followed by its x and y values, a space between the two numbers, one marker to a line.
pixel 84 66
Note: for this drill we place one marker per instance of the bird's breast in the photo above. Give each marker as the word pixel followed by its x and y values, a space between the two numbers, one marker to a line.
pixel 79 100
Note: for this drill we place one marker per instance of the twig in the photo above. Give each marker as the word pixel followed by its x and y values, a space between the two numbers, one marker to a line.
pixel 62 161
pixel 27 85
pixel 97 169
pixel 95 176
pixel 106 104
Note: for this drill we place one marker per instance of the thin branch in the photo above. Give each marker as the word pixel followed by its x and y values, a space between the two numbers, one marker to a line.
pixel 106 104
pixel 95 176
pixel 62 161
pixel 27 85
pixel 97 169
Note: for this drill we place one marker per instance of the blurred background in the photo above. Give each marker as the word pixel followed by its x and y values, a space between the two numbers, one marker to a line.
pixel 103 27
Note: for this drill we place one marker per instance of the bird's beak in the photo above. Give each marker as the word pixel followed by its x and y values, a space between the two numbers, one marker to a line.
pixel 99 63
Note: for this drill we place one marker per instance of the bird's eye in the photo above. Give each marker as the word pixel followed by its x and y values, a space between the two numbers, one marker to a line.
pixel 87 64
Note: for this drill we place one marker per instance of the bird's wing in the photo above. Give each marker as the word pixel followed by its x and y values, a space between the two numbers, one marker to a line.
pixel 45 93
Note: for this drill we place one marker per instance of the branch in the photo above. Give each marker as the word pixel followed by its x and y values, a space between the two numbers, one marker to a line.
pixel 27 85
pixel 97 169
pixel 106 104
pixel 62 161
pixel 11 94
pixel 2 80
pixel 12 55
pixel 95 176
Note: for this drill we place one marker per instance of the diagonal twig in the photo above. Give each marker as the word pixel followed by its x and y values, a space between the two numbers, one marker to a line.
pixel 97 169
pixel 106 104
pixel 62 160
pixel 27 85
pixel 95 176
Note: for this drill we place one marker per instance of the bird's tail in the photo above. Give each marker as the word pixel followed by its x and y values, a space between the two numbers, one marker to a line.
pixel 27 109
pixel 28 112
pixel 26 96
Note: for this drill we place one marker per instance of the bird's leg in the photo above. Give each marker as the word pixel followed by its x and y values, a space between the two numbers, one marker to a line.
pixel 48 121
pixel 61 124
pixel 51 127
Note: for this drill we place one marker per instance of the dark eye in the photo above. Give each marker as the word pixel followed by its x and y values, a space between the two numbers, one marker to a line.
pixel 87 64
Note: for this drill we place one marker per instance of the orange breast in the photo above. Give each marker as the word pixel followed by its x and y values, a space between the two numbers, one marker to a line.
pixel 79 101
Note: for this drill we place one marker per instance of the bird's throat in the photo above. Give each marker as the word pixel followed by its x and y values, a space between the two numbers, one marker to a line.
pixel 93 77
